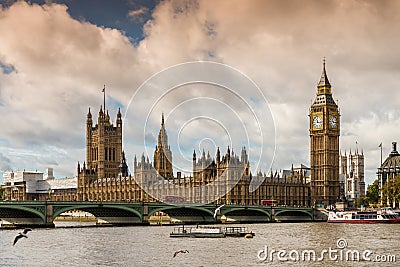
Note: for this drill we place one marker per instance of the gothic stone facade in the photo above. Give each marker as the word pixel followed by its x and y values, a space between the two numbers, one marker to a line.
pixel 351 170
pixel 225 179
pixel 324 144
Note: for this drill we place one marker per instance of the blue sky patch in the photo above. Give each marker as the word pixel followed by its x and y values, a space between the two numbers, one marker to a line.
pixel 7 68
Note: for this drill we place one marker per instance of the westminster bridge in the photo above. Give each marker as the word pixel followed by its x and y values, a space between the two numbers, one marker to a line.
pixel 43 213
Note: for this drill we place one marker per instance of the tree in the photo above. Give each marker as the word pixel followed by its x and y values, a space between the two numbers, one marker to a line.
pixel 373 192
pixel 365 201
pixel 2 193
pixel 391 190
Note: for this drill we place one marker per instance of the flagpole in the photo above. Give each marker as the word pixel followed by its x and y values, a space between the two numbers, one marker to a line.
pixel 381 154
pixel 104 97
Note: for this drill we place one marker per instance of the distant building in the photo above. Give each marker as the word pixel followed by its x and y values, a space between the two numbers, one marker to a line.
pixel 351 172
pixel 389 169
pixel 32 185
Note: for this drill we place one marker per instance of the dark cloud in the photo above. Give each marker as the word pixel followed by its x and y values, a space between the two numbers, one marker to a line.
pixel 5 163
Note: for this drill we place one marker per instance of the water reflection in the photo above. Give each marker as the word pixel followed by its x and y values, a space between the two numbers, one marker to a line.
pixel 151 245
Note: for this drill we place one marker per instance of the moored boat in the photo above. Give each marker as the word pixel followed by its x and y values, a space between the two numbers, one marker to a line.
pixel 384 215
pixel 238 231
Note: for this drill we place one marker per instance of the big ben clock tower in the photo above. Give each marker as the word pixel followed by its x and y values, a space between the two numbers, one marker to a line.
pixel 324 144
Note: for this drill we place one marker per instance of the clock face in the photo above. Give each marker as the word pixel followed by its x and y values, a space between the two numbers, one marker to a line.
pixel 333 121
pixel 317 122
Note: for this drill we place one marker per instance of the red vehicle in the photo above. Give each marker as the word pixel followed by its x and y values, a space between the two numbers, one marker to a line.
pixel 173 199
pixel 269 202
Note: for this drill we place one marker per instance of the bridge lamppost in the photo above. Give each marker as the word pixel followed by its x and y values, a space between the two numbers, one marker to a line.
pixel 313 209
pixel 49 192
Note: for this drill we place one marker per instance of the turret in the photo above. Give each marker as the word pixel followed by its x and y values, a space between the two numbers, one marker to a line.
pixel 89 120
pixel 244 157
pixel 107 119
pixel 119 118
pixel 89 130
pixel 194 160
pixel 218 155
pixel 123 167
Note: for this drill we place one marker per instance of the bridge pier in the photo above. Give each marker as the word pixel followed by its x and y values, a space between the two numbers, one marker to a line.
pixel 49 216
pixel 145 216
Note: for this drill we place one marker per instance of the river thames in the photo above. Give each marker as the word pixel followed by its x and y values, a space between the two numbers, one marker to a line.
pixel 152 246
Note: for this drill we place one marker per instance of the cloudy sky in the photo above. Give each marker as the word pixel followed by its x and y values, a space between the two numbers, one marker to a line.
pixel 55 57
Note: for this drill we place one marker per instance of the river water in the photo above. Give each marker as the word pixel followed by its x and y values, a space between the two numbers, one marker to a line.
pixel 152 246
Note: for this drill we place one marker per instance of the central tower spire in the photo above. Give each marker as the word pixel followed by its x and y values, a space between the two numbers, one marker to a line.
pixel 162 154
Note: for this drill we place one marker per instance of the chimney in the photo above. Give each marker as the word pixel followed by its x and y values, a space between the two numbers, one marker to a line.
pixel 394 150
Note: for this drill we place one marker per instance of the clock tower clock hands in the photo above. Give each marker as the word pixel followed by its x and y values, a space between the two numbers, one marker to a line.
pixel 317 121
pixel 333 121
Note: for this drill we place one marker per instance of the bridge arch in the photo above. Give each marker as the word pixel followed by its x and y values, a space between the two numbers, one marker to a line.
pixel 293 214
pixel 248 213
pixel 97 210
pixel 27 210
pixel 186 214
pixel 171 208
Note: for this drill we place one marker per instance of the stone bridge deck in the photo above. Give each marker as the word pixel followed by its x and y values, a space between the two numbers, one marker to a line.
pixel 43 213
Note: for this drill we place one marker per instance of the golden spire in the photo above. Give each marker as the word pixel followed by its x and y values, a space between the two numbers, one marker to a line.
pixel 324 78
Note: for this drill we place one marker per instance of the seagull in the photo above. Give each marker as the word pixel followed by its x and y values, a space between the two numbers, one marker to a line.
pixel 180 251
pixel 21 235
pixel 217 209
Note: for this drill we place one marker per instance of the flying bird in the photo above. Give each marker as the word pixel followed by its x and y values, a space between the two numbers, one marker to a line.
pixel 21 235
pixel 180 251
pixel 217 209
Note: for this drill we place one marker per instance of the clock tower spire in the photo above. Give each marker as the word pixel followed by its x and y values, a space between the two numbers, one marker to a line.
pixel 324 144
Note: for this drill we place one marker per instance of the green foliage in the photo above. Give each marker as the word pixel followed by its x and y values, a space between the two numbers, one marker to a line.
pixel 2 193
pixel 365 201
pixel 391 189
pixel 373 192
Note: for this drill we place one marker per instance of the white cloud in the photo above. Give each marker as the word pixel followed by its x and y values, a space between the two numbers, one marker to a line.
pixel 61 64
pixel 137 14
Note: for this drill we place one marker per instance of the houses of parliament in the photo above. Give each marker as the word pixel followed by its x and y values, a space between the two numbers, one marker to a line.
pixel 224 178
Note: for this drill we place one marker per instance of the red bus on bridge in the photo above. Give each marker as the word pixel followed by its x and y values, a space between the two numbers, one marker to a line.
pixel 269 202
pixel 173 199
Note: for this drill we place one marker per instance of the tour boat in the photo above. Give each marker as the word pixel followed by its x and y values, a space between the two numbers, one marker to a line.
pixel 385 215
pixel 198 231
pixel 211 231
